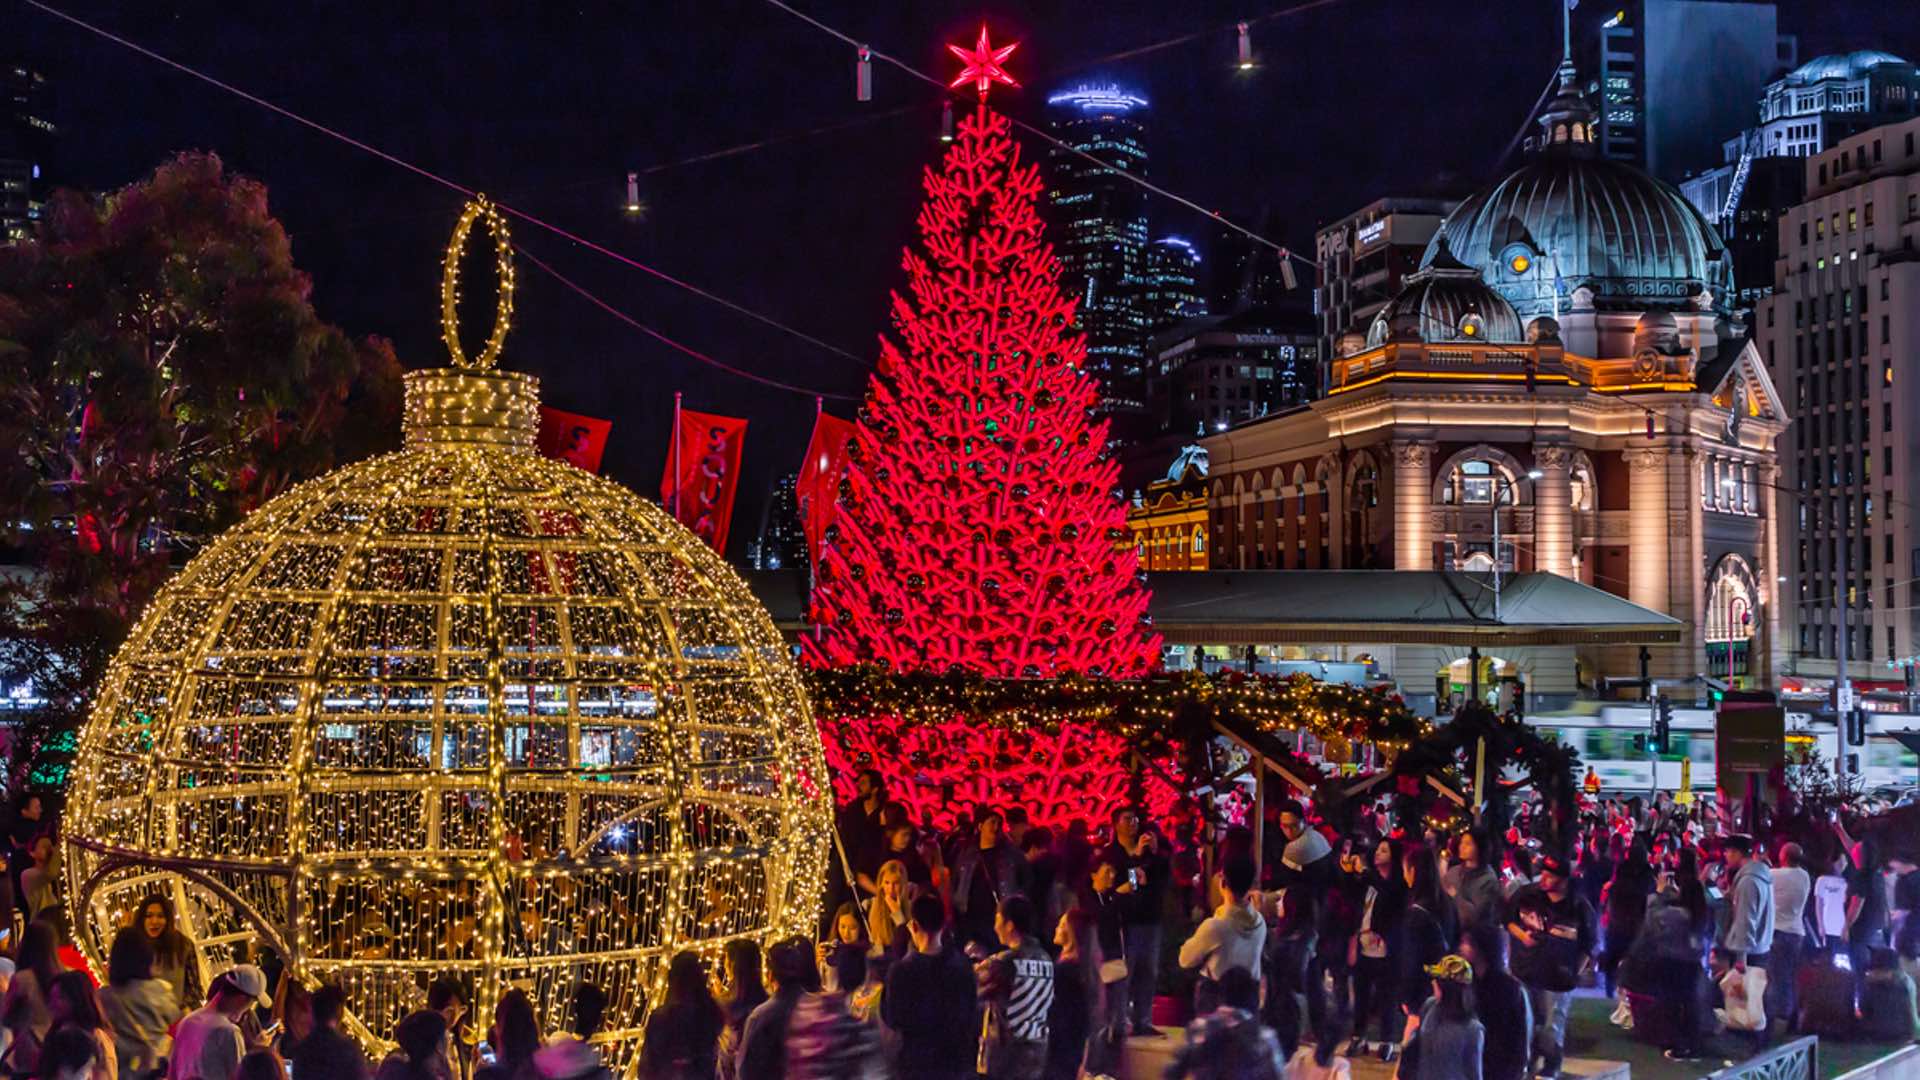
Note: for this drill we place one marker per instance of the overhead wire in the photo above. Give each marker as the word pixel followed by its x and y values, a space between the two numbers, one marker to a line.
pixel 428 174
pixel 1046 136
pixel 671 343
pixel 1183 39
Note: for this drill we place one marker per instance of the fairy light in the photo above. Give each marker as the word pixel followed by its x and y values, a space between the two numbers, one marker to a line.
pixel 482 211
pixel 457 710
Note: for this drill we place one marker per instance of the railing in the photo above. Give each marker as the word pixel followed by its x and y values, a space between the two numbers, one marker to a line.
pixel 1796 1060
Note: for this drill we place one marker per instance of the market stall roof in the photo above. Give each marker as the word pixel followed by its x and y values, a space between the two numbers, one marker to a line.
pixel 1356 607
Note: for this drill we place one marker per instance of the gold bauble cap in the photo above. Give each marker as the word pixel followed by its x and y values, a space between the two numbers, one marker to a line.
pixel 472 402
pixel 495 408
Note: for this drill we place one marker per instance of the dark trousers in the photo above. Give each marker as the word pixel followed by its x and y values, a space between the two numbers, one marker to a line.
pixel 1328 985
pixel 1375 998
pixel 1783 967
pixel 1143 971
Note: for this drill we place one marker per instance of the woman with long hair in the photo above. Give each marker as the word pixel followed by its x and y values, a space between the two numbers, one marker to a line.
pixel 1426 929
pixel 1690 894
pixel 741 992
pixel 887 911
pixel 72 1004
pixel 1375 946
pixel 174 961
pixel 683 1034
pixel 139 1008
pixel 1446 1040
pixel 23 1012
pixel 1076 993
pixel 513 1038
pixel 1624 899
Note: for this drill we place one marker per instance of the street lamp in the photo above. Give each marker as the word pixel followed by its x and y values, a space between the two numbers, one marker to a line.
pixel 1501 482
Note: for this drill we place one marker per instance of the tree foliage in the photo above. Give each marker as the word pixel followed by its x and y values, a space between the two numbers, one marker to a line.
pixel 978 527
pixel 162 372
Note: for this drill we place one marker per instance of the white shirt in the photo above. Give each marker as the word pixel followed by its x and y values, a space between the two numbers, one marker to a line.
pixel 1830 905
pixel 1790 887
pixel 206 1046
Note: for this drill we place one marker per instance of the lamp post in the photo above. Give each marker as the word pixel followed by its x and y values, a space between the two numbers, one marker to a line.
pixel 1501 483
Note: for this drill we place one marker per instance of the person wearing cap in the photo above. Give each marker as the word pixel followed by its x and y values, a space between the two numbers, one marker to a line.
pixel 1446 1041
pixel 207 1045
pixel 1749 934
pixel 1552 930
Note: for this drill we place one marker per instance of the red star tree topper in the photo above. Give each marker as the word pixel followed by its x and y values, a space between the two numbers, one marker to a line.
pixel 978 526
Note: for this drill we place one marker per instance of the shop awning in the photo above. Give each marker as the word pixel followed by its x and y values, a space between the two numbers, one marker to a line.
pixel 1352 607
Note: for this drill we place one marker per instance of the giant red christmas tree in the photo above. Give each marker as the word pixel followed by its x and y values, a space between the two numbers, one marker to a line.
pixel 978 526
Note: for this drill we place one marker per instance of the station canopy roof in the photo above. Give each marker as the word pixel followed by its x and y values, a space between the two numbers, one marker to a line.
pixel 1355 607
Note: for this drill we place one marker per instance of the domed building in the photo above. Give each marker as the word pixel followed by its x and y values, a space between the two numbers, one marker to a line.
pixel 1446 300
pixel 1557 391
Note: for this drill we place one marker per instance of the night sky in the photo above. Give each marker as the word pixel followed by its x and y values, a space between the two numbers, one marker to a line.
pixel 547 106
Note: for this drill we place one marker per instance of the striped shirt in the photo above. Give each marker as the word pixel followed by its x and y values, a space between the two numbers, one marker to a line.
pixel 1017 988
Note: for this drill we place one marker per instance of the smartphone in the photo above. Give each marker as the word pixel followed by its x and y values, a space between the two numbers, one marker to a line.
pixel 487 1054
pixel 1135 877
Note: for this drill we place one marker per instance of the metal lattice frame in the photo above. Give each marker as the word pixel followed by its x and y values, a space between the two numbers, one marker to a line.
pixel 459 710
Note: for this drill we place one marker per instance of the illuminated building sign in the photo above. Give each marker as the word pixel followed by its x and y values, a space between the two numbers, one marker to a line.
pixel 1370 233
pixel 1099 98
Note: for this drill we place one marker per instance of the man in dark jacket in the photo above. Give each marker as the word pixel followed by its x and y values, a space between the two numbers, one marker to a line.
pixel 1136 851
pixel 984 873
pixel 326 1054
pixel 929 1000
pixel 1552 928
pixel 1501 1003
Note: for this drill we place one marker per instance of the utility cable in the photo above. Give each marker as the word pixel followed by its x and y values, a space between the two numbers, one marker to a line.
pixel 664 339
pixel 438 179
pixel 1043 135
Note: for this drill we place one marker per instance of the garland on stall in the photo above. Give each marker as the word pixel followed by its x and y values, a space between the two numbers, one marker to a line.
pixel 1550 767
pixel 1074 747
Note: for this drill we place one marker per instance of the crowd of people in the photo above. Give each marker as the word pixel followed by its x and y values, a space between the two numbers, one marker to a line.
pixel 1007 950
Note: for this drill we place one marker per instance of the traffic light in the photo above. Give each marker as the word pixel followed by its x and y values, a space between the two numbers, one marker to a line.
pixel 1662 726
pixel 1853 764
pixel 1856 727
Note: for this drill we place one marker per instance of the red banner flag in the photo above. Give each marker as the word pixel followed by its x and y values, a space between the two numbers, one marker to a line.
pixel 703 473
pixel 818 487
pixel 577 440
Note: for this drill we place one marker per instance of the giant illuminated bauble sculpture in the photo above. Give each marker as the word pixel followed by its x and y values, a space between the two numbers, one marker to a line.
pixel 457 710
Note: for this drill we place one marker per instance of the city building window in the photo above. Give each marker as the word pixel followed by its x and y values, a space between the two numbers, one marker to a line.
pixel 1853 218
pixel 1819 228
pixel 1869 213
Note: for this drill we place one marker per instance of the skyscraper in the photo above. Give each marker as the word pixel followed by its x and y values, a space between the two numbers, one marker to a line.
pixel 1805 111
pixel 1839 333
pixel 1658 107
pixel 1170 288
pixel 26 142
pixel 1244 272
pixel 1100 235
pixel 781 541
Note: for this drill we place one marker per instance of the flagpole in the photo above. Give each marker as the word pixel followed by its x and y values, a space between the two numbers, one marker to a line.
pixel 679 478
pixel 819 406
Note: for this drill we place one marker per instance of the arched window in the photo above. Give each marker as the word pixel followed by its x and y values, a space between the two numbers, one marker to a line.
pixel 1326 492
pixel 1478 483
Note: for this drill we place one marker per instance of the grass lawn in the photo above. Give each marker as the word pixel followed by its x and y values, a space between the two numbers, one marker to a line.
pixel 1589 1035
